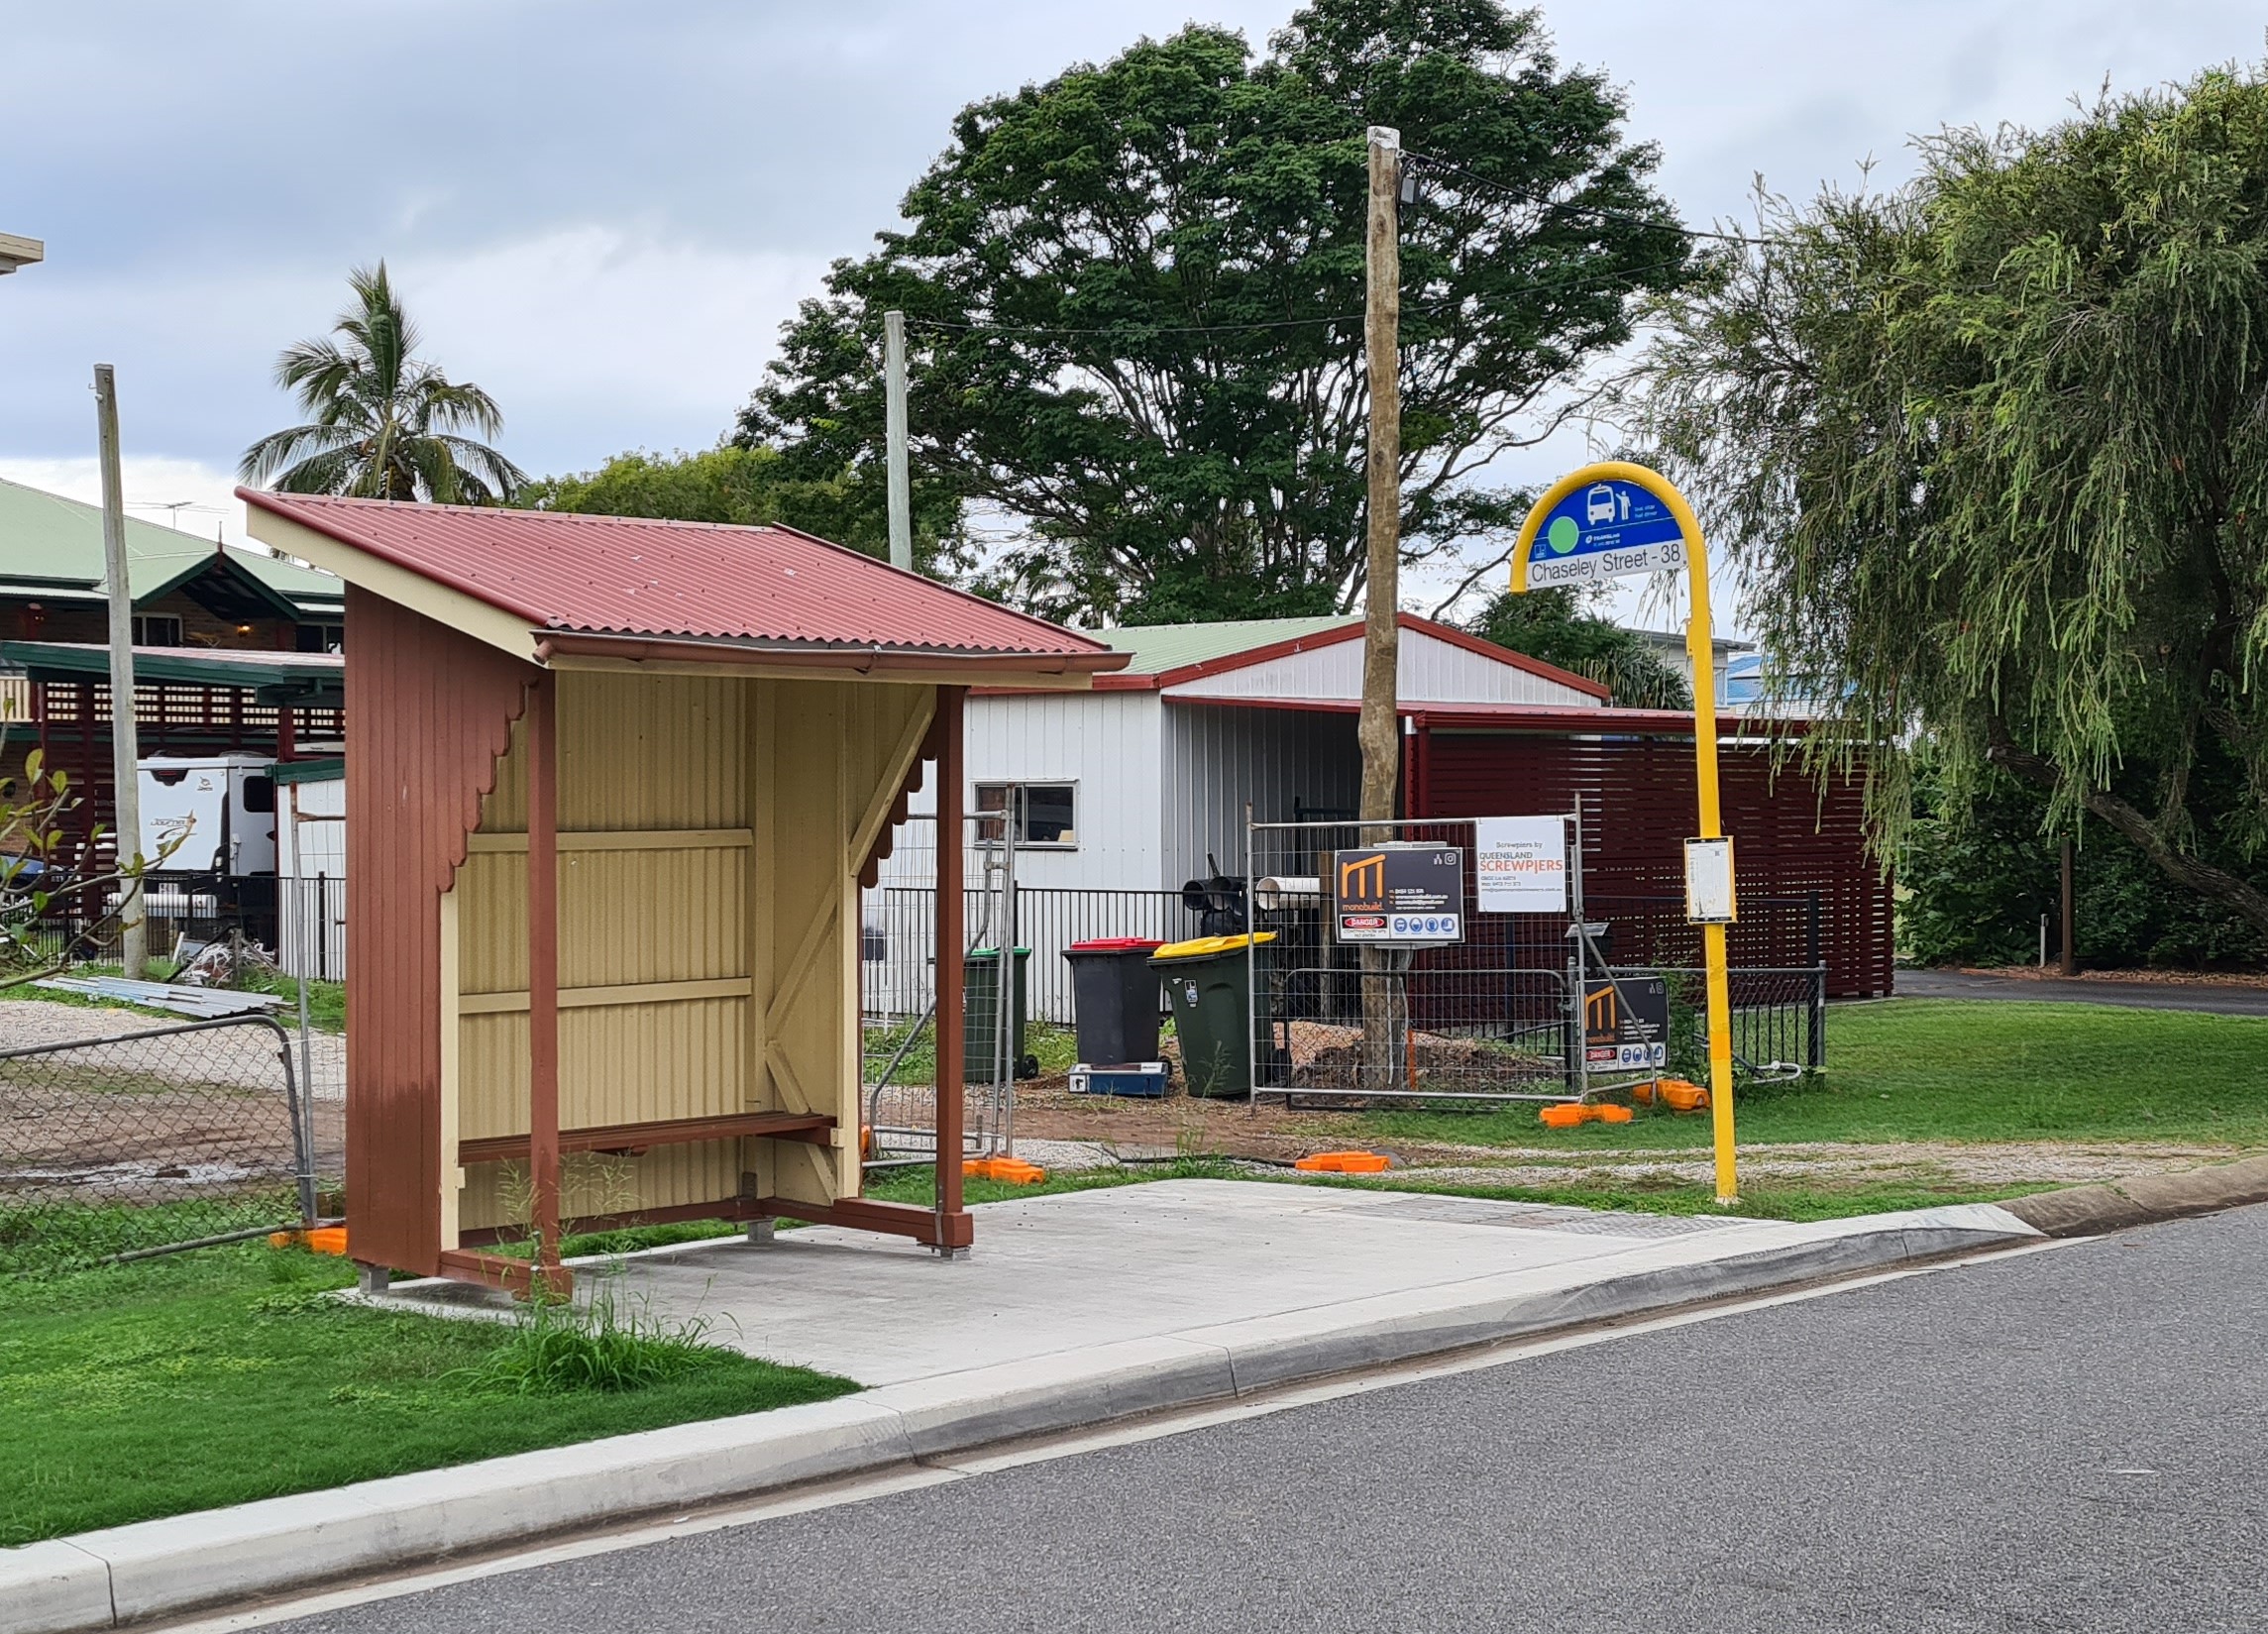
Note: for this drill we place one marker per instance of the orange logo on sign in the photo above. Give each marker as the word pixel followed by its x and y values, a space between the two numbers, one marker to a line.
pixel 1362 879
pixel 1599 1011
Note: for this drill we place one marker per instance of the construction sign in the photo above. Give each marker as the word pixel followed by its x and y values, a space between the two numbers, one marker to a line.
pixel 1402 895
pixel 1626 1024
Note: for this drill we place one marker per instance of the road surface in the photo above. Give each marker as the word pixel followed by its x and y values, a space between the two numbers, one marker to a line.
pixel 2211 997
pixel 2071 1439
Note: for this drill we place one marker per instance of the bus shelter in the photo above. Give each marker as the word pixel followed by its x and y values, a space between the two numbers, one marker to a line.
pixel 613 787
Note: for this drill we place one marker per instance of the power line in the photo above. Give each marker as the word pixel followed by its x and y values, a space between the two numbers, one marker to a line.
pixel 1135 328
pixel 1604 212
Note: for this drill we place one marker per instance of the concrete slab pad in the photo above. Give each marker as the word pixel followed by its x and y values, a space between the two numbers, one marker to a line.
pixel 1080 1269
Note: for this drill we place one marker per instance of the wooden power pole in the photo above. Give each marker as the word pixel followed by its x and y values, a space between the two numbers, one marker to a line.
pixel 125 750
pixel 1378 731
pixel 894 435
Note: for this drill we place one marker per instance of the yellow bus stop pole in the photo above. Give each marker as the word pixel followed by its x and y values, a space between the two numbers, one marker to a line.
pixel 1701 646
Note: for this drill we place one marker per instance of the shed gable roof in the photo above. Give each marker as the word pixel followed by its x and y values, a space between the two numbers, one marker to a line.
pixel 636 578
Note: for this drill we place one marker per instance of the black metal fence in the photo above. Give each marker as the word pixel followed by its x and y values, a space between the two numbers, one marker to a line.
pixel 158 1137
pixel 299 924
pixel 897 942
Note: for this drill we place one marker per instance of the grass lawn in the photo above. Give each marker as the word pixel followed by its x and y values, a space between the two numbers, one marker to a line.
pixel 219 1376
pixel 326 1001
pixel 1944 1069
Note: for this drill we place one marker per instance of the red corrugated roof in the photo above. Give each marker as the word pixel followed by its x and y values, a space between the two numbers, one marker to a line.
pixel 638 578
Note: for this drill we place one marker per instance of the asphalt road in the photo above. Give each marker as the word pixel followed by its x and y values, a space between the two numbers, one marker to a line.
pixel 2072 1440
pixel 2211 997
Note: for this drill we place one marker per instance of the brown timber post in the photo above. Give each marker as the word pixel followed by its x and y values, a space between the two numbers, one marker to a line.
pixel 543 973
pixel 952 1219
pixel 2070 915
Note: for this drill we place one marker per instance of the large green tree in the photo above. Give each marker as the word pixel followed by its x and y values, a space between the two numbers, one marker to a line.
pixel 383 422
pixel 1992 449
pixel 748 486
pixel 1135 298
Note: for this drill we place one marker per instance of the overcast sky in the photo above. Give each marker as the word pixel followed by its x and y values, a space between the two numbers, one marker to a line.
pixel 600 210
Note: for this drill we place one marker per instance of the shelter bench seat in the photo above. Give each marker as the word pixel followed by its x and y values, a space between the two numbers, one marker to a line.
pixel 814 1127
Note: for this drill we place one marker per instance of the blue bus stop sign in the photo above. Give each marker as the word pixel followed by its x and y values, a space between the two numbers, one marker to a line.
pixel 1605 530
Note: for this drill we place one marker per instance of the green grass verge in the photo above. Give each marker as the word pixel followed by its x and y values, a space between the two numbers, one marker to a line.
pixel 1766 1201
pixel 1944 1069
pixel 220 1376
pixel 1642 1194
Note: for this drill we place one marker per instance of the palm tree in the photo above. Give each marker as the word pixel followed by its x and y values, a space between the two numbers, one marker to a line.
pixel 382 422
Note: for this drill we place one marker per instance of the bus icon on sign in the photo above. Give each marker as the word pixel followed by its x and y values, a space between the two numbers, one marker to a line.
pixel 1599 505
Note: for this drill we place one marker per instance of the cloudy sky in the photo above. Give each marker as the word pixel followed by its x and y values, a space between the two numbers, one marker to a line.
pixel 600 210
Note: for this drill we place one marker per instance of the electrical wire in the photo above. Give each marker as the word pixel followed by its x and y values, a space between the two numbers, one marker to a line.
pixel 1135 328
pixel 1605 212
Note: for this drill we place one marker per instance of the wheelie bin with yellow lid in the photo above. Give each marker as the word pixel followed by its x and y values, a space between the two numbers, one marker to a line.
pixel 1207 982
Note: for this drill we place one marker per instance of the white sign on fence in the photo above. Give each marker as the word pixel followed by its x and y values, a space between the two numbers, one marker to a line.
pixel 1521 863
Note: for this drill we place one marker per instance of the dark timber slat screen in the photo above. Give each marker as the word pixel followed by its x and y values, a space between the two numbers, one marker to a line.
pixel 1795 834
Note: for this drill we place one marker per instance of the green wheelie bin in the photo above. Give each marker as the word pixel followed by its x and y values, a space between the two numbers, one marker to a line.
pixel 980 1017
pixel 1207 983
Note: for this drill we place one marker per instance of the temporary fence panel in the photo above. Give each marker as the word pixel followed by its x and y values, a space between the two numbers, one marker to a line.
pixel 160 1138
pixel 1513 1008
pixel 311 928
pixel 898 970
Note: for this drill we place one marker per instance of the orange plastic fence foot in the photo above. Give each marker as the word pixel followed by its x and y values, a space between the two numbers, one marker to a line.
pixel 1344 1162
pixel 1014 1170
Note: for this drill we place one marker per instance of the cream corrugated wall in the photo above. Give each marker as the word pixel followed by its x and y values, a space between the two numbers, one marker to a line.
pixel 705 826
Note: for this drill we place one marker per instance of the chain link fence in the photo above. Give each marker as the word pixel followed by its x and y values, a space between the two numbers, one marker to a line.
pixel 149 1138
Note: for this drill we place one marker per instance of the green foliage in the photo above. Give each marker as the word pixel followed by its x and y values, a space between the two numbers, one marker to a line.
pixel 1134 298
pixel 1994 450
pixel 1979 866
pixel 746 486
pixel 383 423
pixel 1550 624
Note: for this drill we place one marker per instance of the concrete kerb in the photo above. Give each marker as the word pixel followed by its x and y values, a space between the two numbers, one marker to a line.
pixel 128 1573
pixel 2089 1211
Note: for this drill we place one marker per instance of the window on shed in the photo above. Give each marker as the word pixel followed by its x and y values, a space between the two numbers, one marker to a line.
pixel 322 638
pixel 156 630
pixel 1046 814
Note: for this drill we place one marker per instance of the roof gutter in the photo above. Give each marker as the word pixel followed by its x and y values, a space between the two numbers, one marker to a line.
pixel 852 660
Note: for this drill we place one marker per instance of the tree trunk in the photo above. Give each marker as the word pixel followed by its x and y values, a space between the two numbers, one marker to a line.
pixel 2215 883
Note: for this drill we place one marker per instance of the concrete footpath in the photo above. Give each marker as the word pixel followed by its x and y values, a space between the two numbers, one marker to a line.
pixel 1074 1310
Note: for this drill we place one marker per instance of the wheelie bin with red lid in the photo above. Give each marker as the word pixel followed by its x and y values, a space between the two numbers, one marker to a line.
pixel 1114 994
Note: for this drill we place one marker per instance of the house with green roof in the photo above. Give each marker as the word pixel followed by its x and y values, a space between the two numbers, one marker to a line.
pixel 235 650
pixel 188 593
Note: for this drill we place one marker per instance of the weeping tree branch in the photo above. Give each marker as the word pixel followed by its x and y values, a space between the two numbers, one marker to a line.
pixel 2148 837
